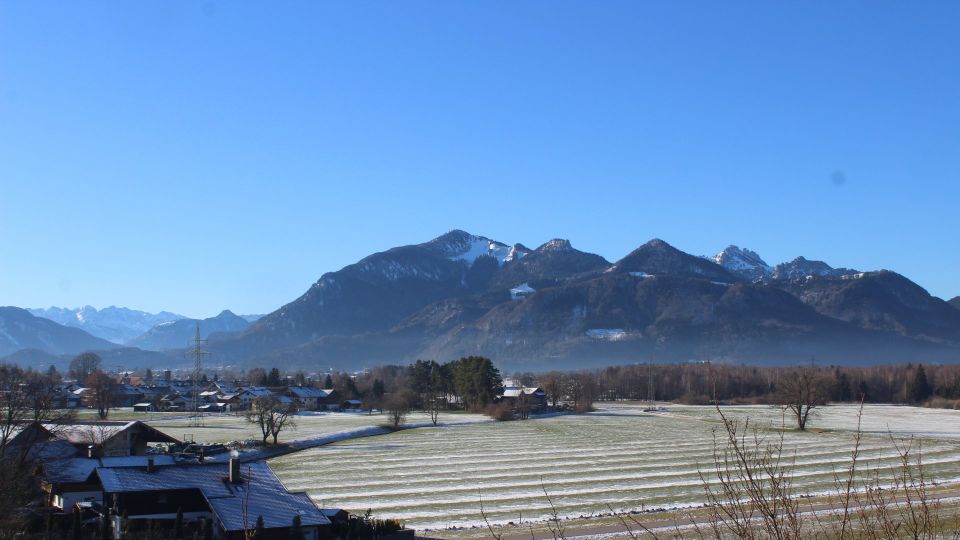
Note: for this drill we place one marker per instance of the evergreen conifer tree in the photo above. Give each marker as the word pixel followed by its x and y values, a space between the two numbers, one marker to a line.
pixel 919 389
pixel 178 525
pixel 259 533
pixel 296 531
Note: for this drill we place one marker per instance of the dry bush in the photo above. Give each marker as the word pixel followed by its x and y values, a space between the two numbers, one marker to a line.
pixel 943 403
pixel 499 411
pixel 751 495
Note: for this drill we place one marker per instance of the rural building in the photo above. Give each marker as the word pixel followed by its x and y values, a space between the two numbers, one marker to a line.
pixel 305 397
pixel 144 407
pixel 351 404
pixel 109 438
pixel 125 395
pixel 232 495
pixel 535 397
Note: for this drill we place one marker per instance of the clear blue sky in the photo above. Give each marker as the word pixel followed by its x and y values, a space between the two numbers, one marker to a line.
pixel 195 156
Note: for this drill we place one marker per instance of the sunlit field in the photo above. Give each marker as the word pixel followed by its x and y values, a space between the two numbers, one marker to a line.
pixel 617 457
pixel 224 428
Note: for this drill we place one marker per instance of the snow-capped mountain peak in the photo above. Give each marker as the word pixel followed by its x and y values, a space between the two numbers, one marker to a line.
pixel 116 324
pixel 743 262
pixel 801 267
pixel 460 245
pixel 557 244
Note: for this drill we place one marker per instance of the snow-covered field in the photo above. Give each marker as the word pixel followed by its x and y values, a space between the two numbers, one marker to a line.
pixel 222 428
pixel 618 457
pixel 877 419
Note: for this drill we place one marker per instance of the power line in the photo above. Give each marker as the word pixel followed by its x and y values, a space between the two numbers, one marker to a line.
pixel 198 353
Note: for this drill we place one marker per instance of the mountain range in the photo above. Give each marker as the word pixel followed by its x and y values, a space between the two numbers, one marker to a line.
pixel 116 324
pixel 178 334
pixel 556 306
pixel 553 306
pixel 19 330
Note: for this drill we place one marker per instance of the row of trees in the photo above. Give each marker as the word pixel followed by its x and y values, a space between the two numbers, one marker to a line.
pixel 703 383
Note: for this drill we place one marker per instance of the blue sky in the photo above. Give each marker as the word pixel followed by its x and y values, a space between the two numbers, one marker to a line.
pixel 195 156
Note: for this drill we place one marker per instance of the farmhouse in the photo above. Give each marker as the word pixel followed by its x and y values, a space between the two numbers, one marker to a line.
pixel 534 397
pixel 305 397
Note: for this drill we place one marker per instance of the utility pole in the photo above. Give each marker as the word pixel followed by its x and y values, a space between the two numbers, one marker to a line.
pixel 651 392
pixel 198 354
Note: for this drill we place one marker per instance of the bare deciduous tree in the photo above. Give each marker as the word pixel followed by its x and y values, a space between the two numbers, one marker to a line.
pixel 102 388
pixel 800 392
pixel 271 416
pixel 552 384
pixel 83 365
pixel 398 405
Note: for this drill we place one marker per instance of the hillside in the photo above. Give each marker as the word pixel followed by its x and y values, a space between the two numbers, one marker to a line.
pixel 178 334
pixel 21 330
pixel 464 294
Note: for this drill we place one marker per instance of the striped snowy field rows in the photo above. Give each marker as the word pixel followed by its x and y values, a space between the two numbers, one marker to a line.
pixel 617 457
pixel 222 428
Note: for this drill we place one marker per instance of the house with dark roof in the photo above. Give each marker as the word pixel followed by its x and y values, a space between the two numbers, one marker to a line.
pixel 125 395
pixel 232 495
pixel 69 480
pixel 95 439
pixel 532 397
pixel 306 398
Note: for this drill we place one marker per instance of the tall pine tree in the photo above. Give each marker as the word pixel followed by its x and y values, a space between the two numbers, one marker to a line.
pixel 259 533
pixel 296 531
pixel 918 390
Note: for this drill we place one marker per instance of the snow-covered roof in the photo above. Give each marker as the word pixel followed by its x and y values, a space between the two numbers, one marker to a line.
pixel 515 391
pixel 261 492
pixel 126 389
pixel 76 470
pixel 256 391
pixel 306 392
pixel 100 432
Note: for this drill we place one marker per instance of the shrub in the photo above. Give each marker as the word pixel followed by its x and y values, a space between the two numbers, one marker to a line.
pixel 499 411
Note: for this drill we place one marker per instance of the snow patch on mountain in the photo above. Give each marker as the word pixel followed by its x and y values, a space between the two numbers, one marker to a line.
pixel 393 270
pixel 801 268
pixel 607 334
pixel 478 247
pixel 517 251
pixel 524 289
pixel 557 244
